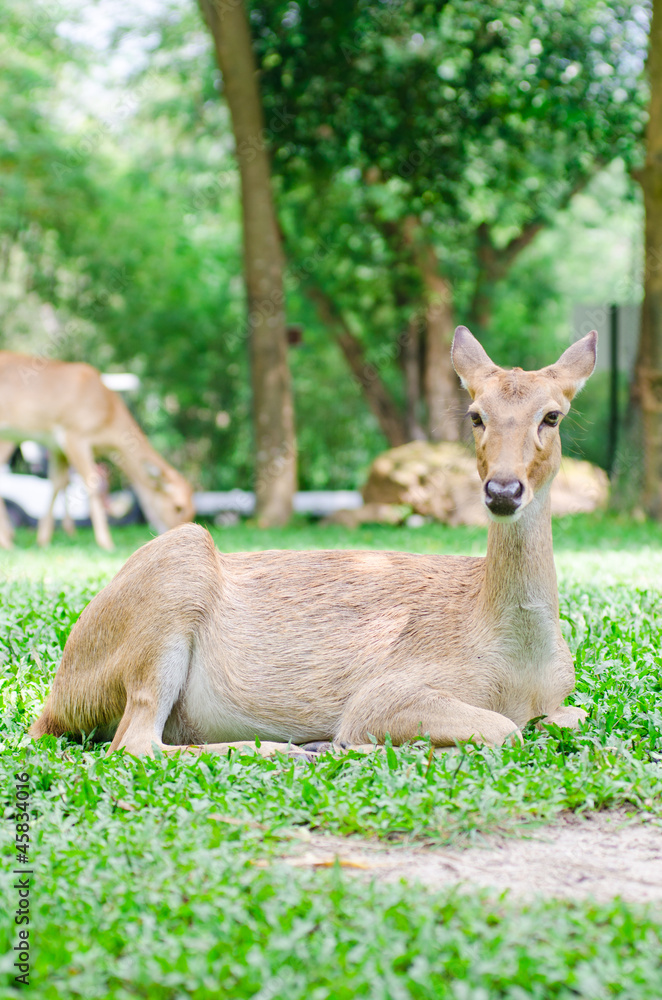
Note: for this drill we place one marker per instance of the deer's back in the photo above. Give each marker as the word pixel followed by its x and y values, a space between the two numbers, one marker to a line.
pixel 37 394
pixel 348 598
pixel 296 634
pixel 283 608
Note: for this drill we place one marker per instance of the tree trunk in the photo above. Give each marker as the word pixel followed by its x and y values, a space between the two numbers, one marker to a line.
pixel 441 382
pixel 411 363
pixel 648 387
pixel 275 442
pixel 442 389
pixel 489 274
pixel 494 263
pixel 367 376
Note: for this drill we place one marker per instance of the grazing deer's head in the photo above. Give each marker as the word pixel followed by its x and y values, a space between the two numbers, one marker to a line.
pixel 516 416
pixel 165 496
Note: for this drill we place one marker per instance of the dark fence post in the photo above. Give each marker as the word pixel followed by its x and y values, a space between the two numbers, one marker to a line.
pixel 613 388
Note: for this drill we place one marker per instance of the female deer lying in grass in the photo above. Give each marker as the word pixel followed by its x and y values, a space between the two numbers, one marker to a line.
pixel 190 646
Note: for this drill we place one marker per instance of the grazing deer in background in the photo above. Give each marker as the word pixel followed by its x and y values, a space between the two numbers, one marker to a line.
pixel 66 407
pixel 190 646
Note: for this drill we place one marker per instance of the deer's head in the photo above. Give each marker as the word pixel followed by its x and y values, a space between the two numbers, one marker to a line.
pixel 165 496
pixel 516 417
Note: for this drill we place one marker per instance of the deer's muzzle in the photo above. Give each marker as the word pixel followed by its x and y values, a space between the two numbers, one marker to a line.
pixel 503 499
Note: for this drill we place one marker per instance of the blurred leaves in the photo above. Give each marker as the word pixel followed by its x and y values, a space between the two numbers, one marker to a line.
pixel 125 215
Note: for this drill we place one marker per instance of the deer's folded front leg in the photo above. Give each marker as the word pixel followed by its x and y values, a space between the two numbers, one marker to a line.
pixel 407 710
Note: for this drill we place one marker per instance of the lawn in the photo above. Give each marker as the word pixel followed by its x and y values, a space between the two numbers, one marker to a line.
pixel 164 879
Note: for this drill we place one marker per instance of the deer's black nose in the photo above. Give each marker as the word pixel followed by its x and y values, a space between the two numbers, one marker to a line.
pixel 503 499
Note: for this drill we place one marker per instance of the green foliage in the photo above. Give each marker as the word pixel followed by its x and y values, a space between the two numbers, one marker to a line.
pixel 491 106
pixel 126 218
pixel 129 225
pixel 170 915
pixel 164 878
pixel 476 125
pixel 482 128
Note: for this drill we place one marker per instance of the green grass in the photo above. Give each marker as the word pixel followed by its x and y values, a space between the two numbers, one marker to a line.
pixel 146 874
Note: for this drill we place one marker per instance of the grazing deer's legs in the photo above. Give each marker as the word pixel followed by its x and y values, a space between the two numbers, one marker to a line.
pixel 68 523
pixel 6 529
pixel 79 453
pixel 408 711
pixel 58 473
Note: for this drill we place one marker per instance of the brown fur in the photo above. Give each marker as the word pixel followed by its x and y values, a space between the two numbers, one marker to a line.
pixel 67 407
pixel 188 645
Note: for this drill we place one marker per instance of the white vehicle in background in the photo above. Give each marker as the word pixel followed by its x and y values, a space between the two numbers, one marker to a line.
pixel 27 497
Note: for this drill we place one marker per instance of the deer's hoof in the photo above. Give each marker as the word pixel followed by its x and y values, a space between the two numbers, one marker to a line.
pixel 301 756
pixel 317 747
pixel 567 716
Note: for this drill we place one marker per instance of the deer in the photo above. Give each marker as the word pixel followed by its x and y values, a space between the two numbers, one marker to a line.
pixel 192 649
pixel 66 406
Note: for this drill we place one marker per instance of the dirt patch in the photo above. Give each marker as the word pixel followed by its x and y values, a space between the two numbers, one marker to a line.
pixel 602 856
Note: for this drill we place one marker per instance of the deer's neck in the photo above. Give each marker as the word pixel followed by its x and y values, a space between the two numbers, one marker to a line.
pixel 130 446
pixel 520 576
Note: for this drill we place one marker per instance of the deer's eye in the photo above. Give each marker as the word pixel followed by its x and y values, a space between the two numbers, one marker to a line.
pixel 476 420
pixel 551 419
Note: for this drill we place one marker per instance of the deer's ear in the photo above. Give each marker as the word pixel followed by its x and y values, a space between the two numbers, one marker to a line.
pixel 575 365
pixel 469 359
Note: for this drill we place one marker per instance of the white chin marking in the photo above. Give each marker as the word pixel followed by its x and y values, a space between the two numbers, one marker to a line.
pixel 505 518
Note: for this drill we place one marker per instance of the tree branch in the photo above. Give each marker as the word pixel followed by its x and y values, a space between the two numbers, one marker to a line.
pixel 495 262
pixel 378 397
